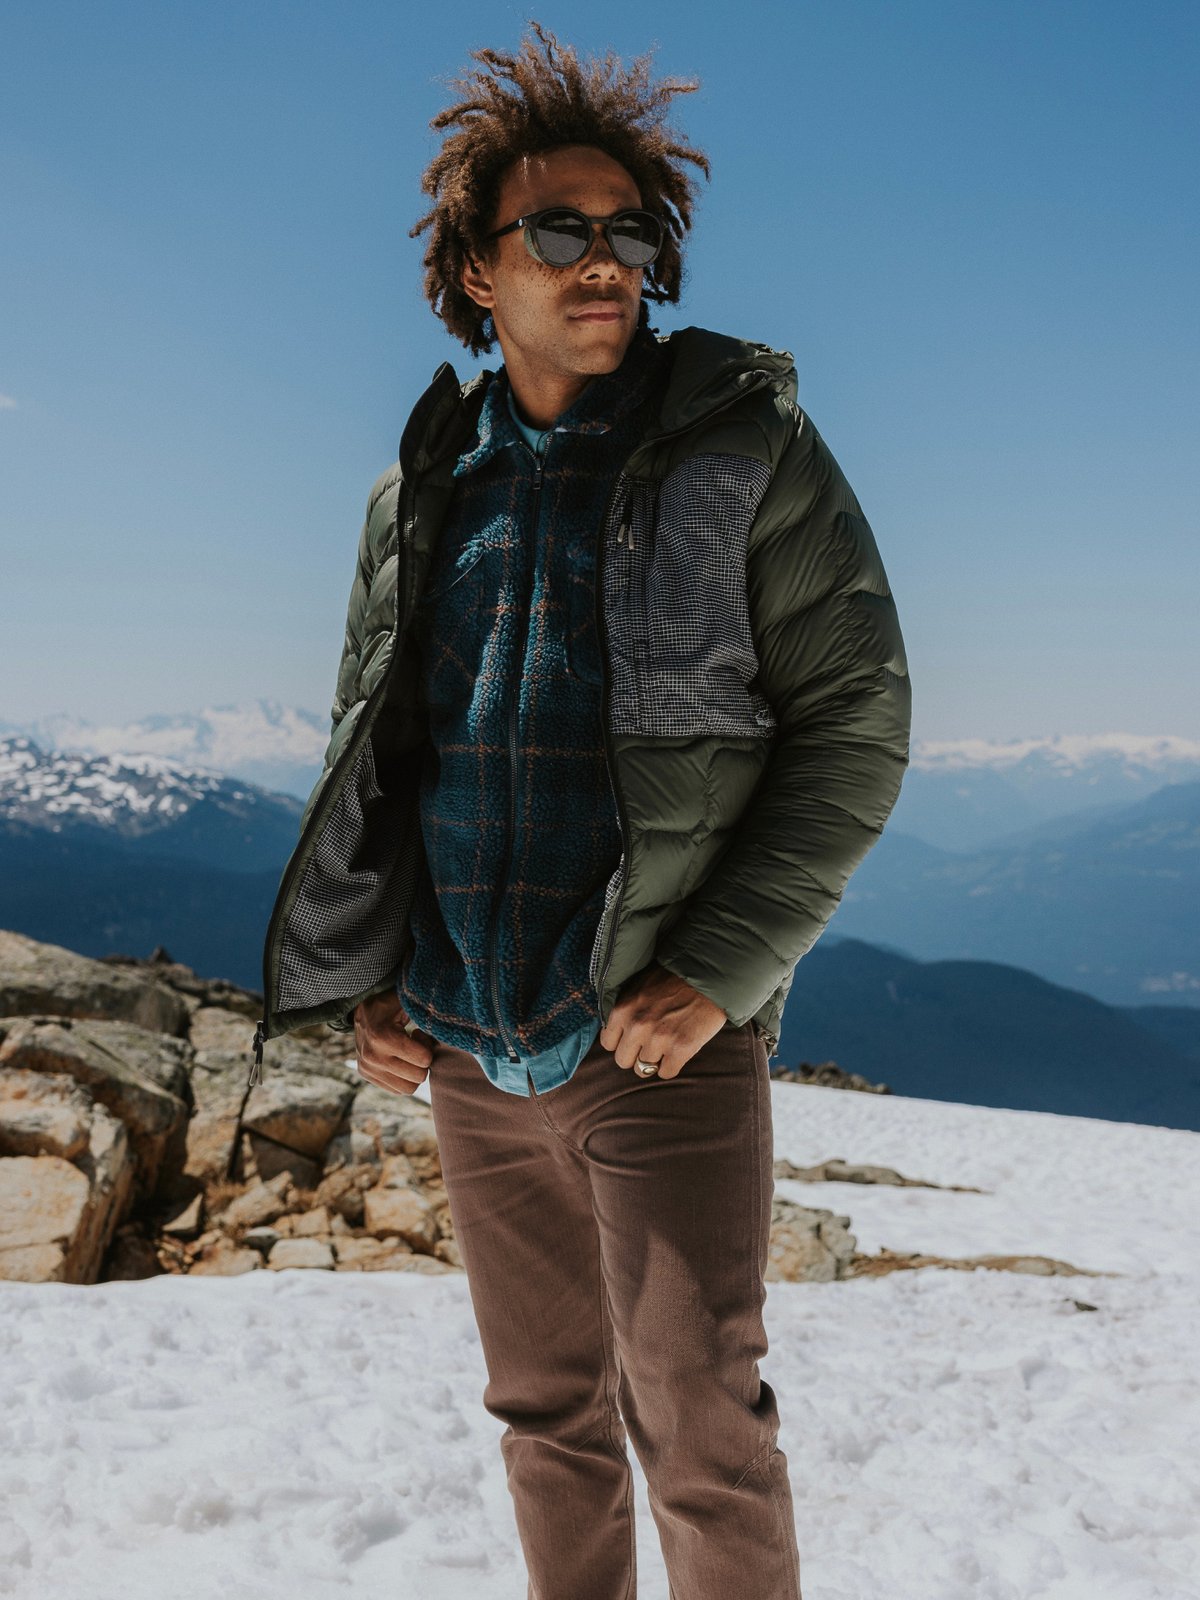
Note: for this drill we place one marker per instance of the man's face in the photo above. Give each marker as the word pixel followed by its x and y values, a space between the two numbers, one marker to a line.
pixel 542 313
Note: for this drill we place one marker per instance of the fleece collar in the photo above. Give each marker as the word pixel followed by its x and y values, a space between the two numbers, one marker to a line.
pixel 608 397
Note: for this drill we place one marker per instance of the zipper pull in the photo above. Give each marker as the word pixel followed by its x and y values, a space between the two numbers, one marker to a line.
pixel 625 531
pixel 256 1072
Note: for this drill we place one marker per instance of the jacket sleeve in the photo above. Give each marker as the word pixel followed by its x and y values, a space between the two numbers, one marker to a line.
pixel 347 690
pixel 832 665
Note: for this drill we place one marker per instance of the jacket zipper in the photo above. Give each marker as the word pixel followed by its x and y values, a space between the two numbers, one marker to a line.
pixel 513 709
pixel 623 530
pixel 261 1034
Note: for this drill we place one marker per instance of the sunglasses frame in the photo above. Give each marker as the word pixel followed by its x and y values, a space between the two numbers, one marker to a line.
pixel 530 222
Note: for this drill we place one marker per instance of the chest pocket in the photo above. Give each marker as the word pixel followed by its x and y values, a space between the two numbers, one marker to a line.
pixel 457 617
pixel 675 584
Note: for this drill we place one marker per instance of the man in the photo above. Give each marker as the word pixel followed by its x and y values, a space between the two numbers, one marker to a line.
pixel 622 704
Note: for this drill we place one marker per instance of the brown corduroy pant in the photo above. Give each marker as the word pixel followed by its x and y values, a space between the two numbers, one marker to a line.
pixel 614 1232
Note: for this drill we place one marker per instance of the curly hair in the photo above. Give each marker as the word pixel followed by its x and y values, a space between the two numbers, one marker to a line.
pixel 554 100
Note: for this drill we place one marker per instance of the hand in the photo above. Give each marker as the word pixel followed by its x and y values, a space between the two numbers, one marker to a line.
pixel 658 1017
pixel 387 1055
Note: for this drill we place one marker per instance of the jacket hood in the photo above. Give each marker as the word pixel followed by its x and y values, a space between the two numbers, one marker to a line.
pixel 708 371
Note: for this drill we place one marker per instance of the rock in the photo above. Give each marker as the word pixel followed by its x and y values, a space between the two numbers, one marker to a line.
pixel 350 1148
pixel 396 1123
pixel 46 979
pixel 447 1250
pixel 301 1112
pixel 186 1224
pixel 261 1239
pixel 219 1086
pixel 58 1217
pixel 131 1256
pixel 42 1114
pixel 403 1212
pixel 141 1077
pixel 807 1245
pixel 366 1254
pixel 217 1029
pixel 341 1191
pixel 271 1160
pixel 226 1261
pixel 263 1203
pixel 419 1263
pixel 396 1172
pixel 301 1253
pixel 304 1224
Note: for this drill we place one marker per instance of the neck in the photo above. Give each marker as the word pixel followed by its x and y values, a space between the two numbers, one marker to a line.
pixel 541 397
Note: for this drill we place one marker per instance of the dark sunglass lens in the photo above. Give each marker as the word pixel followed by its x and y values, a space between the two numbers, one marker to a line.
pixel 637 238
pixel 562 237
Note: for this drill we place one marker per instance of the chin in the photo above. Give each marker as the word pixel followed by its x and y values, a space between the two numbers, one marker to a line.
pixel 605 351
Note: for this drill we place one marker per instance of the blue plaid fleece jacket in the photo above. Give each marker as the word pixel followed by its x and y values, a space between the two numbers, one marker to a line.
pixel 517 813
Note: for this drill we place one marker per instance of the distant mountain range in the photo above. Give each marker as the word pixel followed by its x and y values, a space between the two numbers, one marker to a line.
pixel 109 854
pixel 1106 900
pixel 923 979
pixel 277 747
pixel 991 1035
pixel 967 794
pixel 961 794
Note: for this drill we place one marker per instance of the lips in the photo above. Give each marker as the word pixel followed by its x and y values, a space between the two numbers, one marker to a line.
pixel 599 311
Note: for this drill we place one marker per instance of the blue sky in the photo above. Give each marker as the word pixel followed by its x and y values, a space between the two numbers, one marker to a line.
pixel 974 225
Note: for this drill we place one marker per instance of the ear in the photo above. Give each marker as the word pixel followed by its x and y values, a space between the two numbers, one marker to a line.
pixel 477 282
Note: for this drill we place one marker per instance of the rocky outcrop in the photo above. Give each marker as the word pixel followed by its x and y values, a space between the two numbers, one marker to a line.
pixel 66 1179
pixel 139 1076
pixel 46 978
pixel 130 1144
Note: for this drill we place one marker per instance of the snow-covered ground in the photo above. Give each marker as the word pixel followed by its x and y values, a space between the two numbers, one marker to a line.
pixel 950 1435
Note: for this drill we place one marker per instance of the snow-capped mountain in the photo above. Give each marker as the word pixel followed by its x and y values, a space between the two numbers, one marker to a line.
pixel 265 743
pixel 966 794
pixel 148 805
pixel 960 794
pixel 126 797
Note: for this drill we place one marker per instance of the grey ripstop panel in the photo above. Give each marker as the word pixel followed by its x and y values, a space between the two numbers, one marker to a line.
pixel 682 652
pixel 353 899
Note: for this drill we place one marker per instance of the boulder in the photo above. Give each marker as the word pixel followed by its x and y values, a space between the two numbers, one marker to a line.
pixel 219 1085
pixel 42 1115
pixel 301 1253
pixel 356 1254
pixel 57 1217
pixel 395 1123
pixel 807 1245
pixel 224 1260
pixel 46 979
pixel 265 1202
pixel 141 1077
pixel 300 1111
pixel 403 1212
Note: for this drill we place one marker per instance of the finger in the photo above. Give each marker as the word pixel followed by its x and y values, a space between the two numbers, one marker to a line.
pixel 610 1033
pixel 637 1045
pixel 394 1079
pixel 412 1054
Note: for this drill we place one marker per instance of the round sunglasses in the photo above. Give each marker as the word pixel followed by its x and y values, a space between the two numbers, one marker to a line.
pixel 560 236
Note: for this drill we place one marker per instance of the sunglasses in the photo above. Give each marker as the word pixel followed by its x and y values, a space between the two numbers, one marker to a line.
pixel 560 236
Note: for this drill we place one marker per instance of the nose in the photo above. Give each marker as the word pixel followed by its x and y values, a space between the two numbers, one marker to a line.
pixel 599 258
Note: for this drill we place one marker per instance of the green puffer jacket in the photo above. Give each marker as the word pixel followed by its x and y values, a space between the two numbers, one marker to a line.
pixel 756 694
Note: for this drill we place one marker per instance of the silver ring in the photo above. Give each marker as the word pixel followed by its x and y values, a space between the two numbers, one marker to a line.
pixel 648 1067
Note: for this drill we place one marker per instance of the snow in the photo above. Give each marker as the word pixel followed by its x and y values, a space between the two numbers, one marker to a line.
pixel 950 1435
